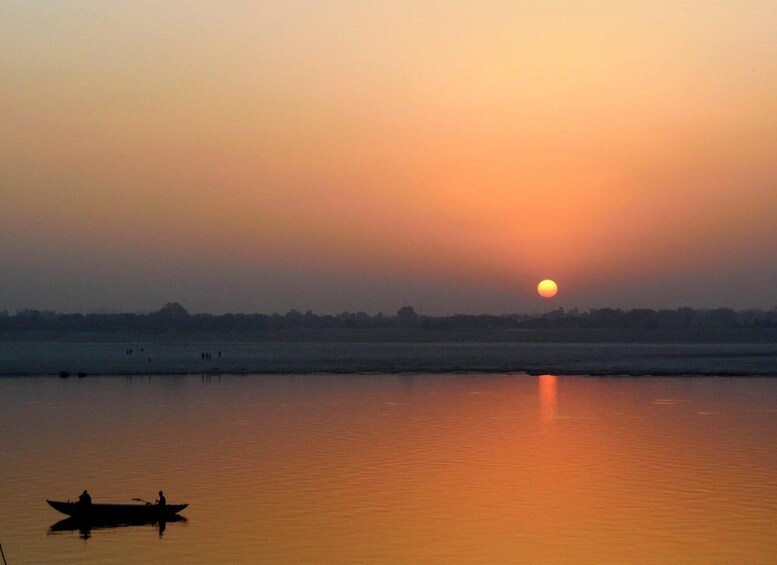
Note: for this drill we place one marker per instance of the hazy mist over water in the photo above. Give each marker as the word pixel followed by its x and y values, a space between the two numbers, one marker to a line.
pixel 189 357
pixel 396 468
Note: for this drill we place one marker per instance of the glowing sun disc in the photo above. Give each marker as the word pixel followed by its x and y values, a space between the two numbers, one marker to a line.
pixel 547 288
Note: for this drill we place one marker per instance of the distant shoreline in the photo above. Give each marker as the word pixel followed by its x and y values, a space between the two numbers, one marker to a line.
pixel 203 357
pixel 413 335
pixel 174 324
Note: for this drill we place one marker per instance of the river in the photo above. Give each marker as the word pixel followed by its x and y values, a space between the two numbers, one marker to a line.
pixel 395 468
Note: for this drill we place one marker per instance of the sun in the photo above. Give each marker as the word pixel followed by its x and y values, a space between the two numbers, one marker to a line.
pixel 547 288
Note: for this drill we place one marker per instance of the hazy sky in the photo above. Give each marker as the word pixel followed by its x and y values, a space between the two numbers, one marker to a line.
pixel 331 155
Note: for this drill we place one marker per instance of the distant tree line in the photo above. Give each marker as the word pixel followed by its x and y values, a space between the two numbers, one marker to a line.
pixel 174 318
pixel 648 319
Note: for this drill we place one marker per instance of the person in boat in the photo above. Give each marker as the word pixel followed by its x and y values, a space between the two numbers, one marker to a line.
pixel 85 500
pixel 162 500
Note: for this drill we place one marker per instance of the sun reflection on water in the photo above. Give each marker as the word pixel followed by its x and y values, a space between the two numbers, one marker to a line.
pixel 548 397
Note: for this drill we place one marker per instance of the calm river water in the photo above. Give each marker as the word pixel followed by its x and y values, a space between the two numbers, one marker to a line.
pixel 444 468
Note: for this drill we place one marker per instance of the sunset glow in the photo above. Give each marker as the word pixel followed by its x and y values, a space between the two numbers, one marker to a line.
pixel 276 155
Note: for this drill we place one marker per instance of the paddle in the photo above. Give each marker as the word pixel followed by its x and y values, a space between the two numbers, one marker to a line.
pixel 141 500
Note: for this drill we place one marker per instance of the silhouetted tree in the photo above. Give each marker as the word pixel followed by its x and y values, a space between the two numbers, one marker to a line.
pixel 407 316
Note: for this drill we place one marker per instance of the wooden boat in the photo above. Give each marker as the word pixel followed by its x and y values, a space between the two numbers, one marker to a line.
pixel 117 512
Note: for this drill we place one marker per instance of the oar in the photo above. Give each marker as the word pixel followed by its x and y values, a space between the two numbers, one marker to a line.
pixel 141 500
pixel 3 554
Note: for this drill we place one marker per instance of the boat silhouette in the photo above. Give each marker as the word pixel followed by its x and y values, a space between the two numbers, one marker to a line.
pixel 119 513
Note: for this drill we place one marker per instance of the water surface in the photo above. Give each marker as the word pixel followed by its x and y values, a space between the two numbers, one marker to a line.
pixel 396 468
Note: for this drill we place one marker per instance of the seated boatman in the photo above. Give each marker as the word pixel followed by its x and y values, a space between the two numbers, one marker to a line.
pixel 162 501
pixel 85 499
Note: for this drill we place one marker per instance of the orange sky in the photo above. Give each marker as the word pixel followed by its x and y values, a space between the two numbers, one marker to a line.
pixel 262 156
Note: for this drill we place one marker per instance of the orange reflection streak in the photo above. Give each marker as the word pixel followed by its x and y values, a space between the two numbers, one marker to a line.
pixel 548 397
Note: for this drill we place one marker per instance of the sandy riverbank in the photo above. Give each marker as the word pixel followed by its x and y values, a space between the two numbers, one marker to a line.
pixel 94 358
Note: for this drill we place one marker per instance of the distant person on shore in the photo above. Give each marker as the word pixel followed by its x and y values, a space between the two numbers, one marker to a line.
pixel 85 500
pixel 162 500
